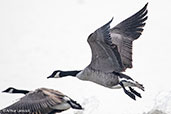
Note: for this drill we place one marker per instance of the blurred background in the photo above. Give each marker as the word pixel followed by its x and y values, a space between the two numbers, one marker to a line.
pixel 40 36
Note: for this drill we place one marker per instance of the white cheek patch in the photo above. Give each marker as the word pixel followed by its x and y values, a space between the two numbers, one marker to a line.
pixel 10 91
pixel 57 75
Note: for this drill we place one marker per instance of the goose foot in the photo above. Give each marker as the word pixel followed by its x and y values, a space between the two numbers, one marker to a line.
pixel 135 92
pixel 127 92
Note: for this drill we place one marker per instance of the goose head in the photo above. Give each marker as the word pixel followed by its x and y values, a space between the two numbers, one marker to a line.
pixel 55 74
pixel 9 90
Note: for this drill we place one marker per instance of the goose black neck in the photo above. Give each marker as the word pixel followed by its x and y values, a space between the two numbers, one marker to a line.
pixel 21 91
pixel 69 73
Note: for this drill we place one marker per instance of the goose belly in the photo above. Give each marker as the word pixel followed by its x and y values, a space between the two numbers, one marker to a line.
pixel 105 79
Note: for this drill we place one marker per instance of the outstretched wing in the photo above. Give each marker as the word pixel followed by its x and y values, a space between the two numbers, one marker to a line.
pixel 38 101
pixel 126 32
pixel 105 55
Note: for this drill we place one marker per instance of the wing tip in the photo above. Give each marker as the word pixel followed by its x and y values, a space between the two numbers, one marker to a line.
pixel 145 7
pixel 108 23
pixel 111 20
pixel 146 4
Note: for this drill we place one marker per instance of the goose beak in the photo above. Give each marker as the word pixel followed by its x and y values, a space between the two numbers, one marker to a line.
pixel 50 77
pixel 3 91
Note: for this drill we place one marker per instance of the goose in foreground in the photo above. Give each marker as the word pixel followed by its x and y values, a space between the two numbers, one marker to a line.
pixel 40 101
pixel 112 55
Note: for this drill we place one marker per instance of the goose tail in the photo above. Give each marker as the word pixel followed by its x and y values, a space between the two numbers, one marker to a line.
pixel 74 104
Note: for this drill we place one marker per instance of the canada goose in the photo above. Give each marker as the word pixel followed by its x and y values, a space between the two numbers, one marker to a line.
pixel 112 54
pixel 40 101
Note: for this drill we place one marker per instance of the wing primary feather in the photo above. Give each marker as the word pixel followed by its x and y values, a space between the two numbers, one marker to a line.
pixel 106 32
pixel 139 14
pixel 107 25
pixel 129 26
pixel 124 33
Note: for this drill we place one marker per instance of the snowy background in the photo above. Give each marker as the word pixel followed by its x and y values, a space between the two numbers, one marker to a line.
pixel 40 36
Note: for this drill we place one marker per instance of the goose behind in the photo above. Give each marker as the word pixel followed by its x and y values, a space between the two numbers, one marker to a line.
pixel 41 101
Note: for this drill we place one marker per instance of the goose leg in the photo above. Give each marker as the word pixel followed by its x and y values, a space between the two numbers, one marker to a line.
pixel 136 84
pixel 127 92
pixel 129 81
pixel 135 92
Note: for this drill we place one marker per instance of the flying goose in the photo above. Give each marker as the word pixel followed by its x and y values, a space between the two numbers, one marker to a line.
pixel 40 101
pixel 112 55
